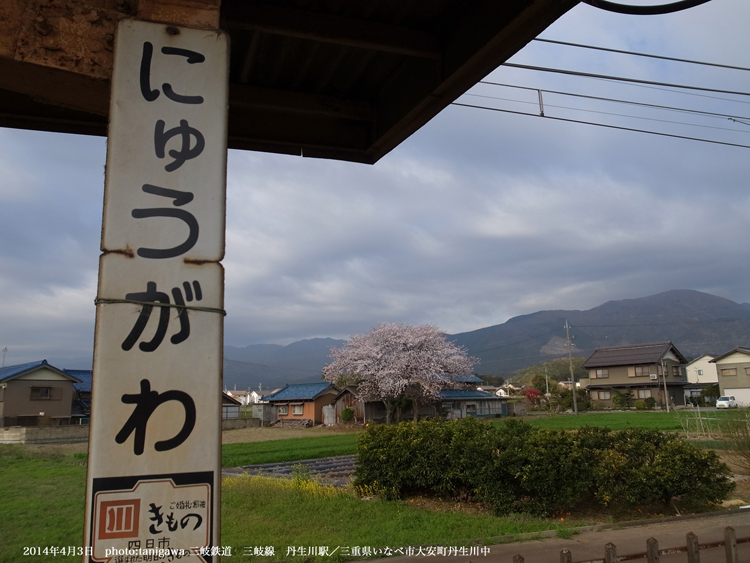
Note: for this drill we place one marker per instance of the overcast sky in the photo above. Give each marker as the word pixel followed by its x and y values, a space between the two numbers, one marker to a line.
pixel 478 217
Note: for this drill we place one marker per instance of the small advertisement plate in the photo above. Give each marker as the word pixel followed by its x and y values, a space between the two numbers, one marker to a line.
pixel 152 517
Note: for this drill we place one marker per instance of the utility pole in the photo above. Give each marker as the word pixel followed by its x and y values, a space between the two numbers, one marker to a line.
pixel 570 362
pixel 5 351
pixel 664 374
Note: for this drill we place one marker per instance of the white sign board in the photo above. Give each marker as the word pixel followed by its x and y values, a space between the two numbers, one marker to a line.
pixel 155 443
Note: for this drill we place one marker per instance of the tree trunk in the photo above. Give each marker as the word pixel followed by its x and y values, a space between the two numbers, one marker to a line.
pixel 415 408
pixel 388 411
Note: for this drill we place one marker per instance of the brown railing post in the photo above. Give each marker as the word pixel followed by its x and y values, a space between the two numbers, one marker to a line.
pixel 518 558
pixel 652 550
pixel 693 551
pixel 610 553
pixel 566 556
pixel 730 544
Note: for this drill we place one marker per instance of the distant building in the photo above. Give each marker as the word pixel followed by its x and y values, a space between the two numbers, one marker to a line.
pixel 82 398
pixel 700 374
pixel 304 401
pixel 734 374
pixel 702 370
pixel 643 369
pixel 34 394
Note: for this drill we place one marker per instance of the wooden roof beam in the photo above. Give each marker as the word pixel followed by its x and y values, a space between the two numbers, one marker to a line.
pixel 241 95
pixel 339 30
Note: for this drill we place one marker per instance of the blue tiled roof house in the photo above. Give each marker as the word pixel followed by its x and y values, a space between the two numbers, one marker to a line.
pixel 303 401
pixel 35 393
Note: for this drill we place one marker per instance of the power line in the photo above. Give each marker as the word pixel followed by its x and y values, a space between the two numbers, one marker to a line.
pixel 604 125
pixel 614 114
pixel 637 54
pixel 623 79
pixel 614 100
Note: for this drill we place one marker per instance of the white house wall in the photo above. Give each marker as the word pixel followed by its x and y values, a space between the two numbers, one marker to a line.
pixel 702 364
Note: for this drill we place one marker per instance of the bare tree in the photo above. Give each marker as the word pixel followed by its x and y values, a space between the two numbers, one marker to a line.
pixel 395 361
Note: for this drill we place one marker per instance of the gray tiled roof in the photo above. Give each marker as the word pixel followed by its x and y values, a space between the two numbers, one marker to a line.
pixel 637 354
pixel 470 378
pixel 455 394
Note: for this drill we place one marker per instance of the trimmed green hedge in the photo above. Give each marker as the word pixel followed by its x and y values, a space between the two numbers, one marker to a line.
pixel 520 468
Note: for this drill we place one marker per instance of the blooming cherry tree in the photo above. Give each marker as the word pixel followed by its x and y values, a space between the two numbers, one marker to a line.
pixel 395 361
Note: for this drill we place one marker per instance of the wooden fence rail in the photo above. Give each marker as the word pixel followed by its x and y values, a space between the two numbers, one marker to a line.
pixel 653 553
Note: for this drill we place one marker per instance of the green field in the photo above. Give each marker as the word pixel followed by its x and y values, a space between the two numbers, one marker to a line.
pixel 258 512
pixel 292 449
pixel 613 421
pixel 43 501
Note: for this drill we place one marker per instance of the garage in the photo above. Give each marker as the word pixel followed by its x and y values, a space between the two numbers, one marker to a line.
pixel 741 395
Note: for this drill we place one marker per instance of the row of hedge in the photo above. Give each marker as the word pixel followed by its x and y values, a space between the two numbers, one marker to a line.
pixel 519 468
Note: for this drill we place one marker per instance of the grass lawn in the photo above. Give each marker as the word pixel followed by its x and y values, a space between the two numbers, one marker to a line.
pixel 259 512
pixel 41 502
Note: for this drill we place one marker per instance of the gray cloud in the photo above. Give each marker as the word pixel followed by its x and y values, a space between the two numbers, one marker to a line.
pixel 478 217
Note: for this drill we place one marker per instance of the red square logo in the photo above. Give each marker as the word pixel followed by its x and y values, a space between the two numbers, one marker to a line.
pixel 119 519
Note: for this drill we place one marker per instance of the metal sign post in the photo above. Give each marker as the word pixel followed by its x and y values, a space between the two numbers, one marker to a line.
pixel 154 450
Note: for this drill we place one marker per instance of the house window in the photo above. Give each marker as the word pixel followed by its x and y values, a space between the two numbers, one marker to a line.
pixel 600 395
pixel 644 393
pixel 298 410
pixel 471 407
pixel 602 373
pixel 676 371
pixel 642 371
pixel 41 393
pixel 747 372
pixel 729 371
pixel 283 410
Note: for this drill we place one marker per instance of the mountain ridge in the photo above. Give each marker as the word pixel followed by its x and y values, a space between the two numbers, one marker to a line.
pixel 694 321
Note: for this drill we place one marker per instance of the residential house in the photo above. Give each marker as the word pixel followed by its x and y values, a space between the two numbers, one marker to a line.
pixel 643 369
pixel 733 369
pixel 303 401
pixel 460 403
pixel 34 394
pixel 82 399
pixel 255 397
pixel 700 374
pixel 453 403
pixel 469 381
pixel 243 397
pixel 230 406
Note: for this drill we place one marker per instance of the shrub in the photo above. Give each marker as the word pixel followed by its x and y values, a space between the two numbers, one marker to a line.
pixel 682 470
pixel 622 400
pixel 519 468
pixel 710 394
pixel 640 405
pixel 347 414
pixel 650 402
